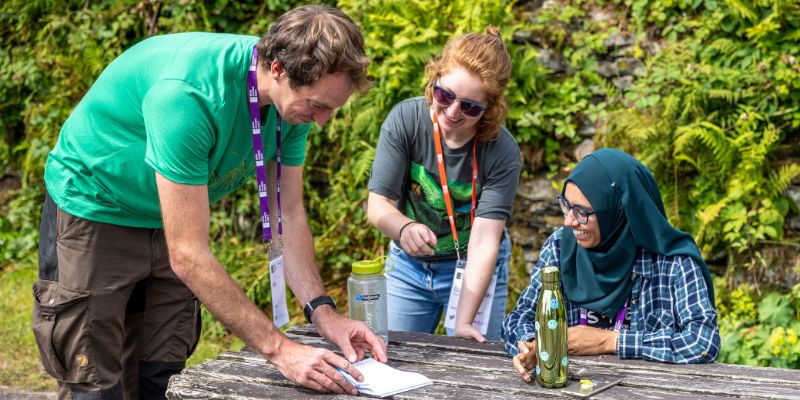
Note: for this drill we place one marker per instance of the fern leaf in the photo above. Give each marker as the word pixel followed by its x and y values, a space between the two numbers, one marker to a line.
pixel 779 180
pixel 742 7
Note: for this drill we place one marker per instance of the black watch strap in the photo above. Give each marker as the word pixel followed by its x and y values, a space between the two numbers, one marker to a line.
pixel 312 305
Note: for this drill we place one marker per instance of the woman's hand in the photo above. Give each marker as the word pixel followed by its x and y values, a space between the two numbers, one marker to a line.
pixel 417 240
pixel 589 341
pixel 467 331
pixel 525 360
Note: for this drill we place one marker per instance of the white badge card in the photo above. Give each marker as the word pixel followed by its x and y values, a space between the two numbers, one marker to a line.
pixel 280 312
pixel 481 321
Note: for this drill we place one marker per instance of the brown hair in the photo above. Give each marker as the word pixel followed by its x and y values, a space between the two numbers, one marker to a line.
pixel 313 40
pixel 486 56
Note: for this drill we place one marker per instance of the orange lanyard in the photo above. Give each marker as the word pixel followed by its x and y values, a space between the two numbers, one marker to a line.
pixel 443 177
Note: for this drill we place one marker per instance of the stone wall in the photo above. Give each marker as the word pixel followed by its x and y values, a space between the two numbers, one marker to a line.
pixel 536 212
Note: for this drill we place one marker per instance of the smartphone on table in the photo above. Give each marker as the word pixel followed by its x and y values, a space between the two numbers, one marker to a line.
pixel 582 388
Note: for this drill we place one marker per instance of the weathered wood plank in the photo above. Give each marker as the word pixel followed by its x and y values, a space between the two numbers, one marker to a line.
pixel 468 370
pixel 221 376
pixel 468 377
pixel 641 375
pixel 729 371
pixel 246 380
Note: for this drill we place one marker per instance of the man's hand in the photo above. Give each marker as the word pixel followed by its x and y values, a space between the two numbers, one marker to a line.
pixel 589 341
pixel 467 331
pixel 314 368
pixel 525 360
pixel 417 239
pixel 354 338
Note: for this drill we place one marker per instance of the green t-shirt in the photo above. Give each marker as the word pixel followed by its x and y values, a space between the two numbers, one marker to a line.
pixel 175 104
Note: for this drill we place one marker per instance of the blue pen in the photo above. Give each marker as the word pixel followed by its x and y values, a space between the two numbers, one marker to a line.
pixel 347 376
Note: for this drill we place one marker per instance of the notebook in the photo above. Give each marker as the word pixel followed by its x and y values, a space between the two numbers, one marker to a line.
pixel 382 380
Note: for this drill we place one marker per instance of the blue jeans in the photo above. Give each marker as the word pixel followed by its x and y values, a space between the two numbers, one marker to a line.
pixel 419 291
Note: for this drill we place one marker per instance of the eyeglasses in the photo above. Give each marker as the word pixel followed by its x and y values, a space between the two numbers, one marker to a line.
pixel 580 213
pixel 446 98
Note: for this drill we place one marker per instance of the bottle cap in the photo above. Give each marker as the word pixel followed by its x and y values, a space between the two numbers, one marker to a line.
pixel 369 267
pixel 550 274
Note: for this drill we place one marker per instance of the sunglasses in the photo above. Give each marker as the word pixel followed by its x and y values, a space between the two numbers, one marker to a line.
pixel 446 98
pixel 580 213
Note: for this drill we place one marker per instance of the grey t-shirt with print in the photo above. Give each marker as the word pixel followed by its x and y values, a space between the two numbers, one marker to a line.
pixel 405 170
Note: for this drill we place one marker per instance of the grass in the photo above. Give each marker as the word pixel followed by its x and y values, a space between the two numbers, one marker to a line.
pixel 20 365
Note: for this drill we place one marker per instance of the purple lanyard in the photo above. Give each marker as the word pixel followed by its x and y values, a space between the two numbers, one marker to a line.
pixel 258 152
pixel 620 318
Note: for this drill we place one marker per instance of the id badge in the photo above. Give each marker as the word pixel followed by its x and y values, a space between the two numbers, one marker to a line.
pixel 481 321
pixel 280 312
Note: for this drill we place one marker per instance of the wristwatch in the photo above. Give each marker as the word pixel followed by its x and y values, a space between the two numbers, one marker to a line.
pixel 316 302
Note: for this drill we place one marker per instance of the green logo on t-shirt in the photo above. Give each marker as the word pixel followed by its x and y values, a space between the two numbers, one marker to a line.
pixel 426 205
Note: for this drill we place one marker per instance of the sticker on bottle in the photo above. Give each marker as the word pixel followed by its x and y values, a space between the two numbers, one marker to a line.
pixel 552 324
pixel 481 321
pixel 554 303
pixel 544 355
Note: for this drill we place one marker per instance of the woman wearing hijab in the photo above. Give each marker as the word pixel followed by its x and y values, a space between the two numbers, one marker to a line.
pixel 633 285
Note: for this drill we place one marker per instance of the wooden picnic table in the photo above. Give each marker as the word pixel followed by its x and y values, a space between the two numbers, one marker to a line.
pixel 463 369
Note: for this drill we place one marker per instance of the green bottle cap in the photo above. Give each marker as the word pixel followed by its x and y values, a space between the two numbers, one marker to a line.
pixel 368 267
pixel 550 274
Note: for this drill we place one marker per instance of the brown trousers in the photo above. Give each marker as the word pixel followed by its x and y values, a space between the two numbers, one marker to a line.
pixel 110 318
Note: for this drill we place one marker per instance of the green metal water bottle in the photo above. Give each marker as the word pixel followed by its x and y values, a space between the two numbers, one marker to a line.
pixel 551 332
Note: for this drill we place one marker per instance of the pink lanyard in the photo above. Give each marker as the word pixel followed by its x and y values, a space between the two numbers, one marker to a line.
pixel 443 177
pixel 618 320
pixel 258 151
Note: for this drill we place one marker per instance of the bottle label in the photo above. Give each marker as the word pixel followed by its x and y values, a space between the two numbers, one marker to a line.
pixel 368 297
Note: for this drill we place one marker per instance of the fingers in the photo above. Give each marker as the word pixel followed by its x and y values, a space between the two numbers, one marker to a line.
pixel 474 334
pixel 346 366
pixel 418 240
pixel 376 345
pixel 523 347
pixel 333 381
pixel 348 351
pixel 521 370
pixel 429 237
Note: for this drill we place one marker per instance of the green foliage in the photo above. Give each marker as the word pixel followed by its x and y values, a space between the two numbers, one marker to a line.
pixel 20 365
pixel 715 107
pixel 710 113
pixel 401 37
pixel 765 335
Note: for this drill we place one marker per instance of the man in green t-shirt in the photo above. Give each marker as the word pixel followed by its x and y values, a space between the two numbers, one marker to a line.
pixel 164 131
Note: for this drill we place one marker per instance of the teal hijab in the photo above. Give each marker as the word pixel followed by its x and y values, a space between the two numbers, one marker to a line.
pixel 631 214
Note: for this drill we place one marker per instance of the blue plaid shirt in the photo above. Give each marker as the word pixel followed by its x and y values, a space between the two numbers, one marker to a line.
pixel 672 318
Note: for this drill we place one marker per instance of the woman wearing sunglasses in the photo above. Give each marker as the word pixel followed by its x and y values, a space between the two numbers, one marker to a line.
pixel 633 285
pixel 443 180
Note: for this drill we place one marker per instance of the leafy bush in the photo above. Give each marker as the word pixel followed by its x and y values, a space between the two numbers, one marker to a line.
pixel 765 334
pixel 714 102
pixel 713 108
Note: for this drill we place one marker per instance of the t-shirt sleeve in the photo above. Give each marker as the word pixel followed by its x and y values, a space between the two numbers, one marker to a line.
pixel 178 121
pixel 501 179
pixel 293 144
pixel 390 165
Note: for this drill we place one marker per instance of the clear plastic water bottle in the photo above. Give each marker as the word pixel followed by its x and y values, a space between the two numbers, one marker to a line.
pixel 366 296
pixel 551 332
